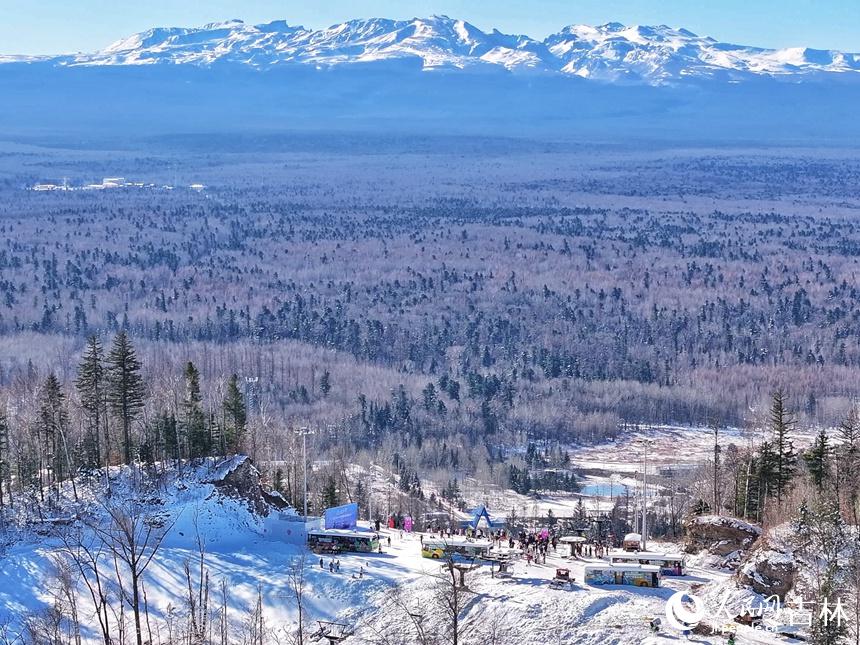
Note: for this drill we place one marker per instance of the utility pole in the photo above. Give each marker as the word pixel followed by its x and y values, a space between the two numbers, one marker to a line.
pixel 716 509
pixel 305 431
pixel 645 497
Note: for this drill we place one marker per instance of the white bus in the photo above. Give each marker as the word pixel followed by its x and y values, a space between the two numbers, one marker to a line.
pixel 671 564
pixel 458 547
pixel 640 575
pixel 342 541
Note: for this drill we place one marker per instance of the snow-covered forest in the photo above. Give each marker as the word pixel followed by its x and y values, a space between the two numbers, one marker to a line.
pixel 518 325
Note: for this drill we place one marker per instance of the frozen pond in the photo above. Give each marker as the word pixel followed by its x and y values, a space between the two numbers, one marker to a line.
pixel 601 490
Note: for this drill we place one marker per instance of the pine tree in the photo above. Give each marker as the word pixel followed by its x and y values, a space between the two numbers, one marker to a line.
pixel 429 395
pixel 821 538
pixel 330 494
pixel 849 461
pixel 193 419
pixel 360 494
pixel 53 422
pixel 235 415
pixel 818 461
pixel 325 383
pixel 91 389
pixel 402 406
pixel 125 388
pixel 765 478
pixel 167 434
pixel 785 458
pixel 580 513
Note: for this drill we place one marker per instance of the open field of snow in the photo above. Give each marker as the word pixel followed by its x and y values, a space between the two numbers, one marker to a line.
pixel 254 556
pixel 521 609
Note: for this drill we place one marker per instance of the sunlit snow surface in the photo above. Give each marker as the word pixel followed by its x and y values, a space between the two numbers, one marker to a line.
pixel 252 553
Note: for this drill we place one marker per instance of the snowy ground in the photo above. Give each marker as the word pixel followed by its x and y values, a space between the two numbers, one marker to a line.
pixel 526 609
pixel 254 555
pixel 665 447
pixel 257 555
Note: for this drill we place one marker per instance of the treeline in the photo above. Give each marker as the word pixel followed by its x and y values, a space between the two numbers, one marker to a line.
pixel 542 470
pixel 764 483
pixel 116 422
pixel 815 492
pixel 505 298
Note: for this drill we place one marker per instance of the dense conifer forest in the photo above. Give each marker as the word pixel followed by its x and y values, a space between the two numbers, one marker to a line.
pixel 446 310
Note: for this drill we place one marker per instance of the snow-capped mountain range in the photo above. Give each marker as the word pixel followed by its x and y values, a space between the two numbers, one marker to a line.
pixel 611 53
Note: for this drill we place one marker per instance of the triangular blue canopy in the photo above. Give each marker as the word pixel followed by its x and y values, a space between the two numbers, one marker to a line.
pixel 477 514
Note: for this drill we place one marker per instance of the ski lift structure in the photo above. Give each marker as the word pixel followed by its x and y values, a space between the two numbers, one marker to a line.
pixel 332 632
pixel 462 568
pixel 501 565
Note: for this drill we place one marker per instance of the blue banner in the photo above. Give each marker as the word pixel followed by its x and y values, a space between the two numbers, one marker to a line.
pixel 341 517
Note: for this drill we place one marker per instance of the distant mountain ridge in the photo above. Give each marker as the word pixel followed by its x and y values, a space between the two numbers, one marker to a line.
pixel 612 53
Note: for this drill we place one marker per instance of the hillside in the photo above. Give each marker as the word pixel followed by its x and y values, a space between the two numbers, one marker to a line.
pixel 251 563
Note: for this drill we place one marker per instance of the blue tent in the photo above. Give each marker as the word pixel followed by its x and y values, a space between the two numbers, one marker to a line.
pixel 481 513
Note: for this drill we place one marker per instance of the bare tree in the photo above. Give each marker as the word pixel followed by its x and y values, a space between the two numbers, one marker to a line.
pixel 198 592
pixel 296 583
pixel 451 594
pixel 88 556
pixel 133 539
pixel 397 608
pixel 67 592
pixel 223 615
pixel 255 623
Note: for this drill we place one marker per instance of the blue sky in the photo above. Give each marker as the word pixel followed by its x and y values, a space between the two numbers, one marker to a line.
pixel 57 26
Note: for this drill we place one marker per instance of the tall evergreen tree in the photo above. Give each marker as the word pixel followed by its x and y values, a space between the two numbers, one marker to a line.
pixel 821 538
pixel 53 423
pixel 785 457
pixel 235 416
pixel 125 388
pixel 91 389
pixel 764 481
pixel 325 383
pixel 330 496
pixel 848 482
pixel 818 461
pixel 193 419
pixel 167 435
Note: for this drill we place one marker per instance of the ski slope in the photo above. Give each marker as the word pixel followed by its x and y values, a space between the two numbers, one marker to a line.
pixel 254 554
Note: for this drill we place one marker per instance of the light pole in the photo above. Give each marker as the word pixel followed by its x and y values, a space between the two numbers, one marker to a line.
pixel 305 431
pixel 645 496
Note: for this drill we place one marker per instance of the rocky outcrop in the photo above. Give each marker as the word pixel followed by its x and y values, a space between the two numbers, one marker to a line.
pixel 239 478
pixel 722 536
pixel 769 571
